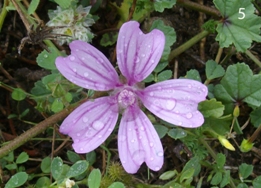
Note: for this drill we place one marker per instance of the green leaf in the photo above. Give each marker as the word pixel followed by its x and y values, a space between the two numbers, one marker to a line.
pixel 211 108
pixel 214 70
pixel 217 178
pixel 257 182
pixel 242 185
pixel 245 170
pixel 193 74
pixel 225 179
pixel 193 163
pixel 168 175
pixel 43 182
pixel 255 117
pixel 109 39
pixel 160 5
pixel 23 157
pixel 17 180
pixel 63 3
pixel 57 167
pixel 12 166
pixel 18 94
pixel 91 157
pixel 161 130
pixel 46 59
pixel 94 178
pixel 9 157
pixel 149 79
pixel 220 160
pixel 239 84
pixel 57 105
pixel 177 133
pixel 72 156
pixel 46 165
pixel 33 6
pixel 117 185
pixel 187 174
pixel 170 36
pixel 77 168
pixel 161 65
pixel 234 29
pixel 164 75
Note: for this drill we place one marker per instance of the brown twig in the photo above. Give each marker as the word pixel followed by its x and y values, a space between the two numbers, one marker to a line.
pixel 37 129
pixel 132 9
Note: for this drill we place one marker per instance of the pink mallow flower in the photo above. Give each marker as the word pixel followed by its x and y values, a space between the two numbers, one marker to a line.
pixel 174 101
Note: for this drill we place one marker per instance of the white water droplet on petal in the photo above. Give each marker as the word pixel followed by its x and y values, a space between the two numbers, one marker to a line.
pixel 132 140
pixel 151 158
pixel 78 134
pixel 152 61
pixel 138 157
pixel 86 74
pixel 137 60
pixel 160 154
pixel 189 115
pixel 151 94
pixel 83 58
pixel 170 104
pixel 157 168
pixel 151 144
pixel 179 123
pixel 98 125
pixel 81 149
pixel 140 33
pixel 143 55
pixel 74 70
pixel 72 58
pixel 189 86
pixel 142 128
pixel 85 119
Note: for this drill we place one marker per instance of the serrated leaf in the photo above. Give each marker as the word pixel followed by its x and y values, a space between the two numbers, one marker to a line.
pixel 211 108
pixel 257 182
pixel 150 78
pixel 239 25
pixel 164 75
pixel 225 179
pixel 77 168
pixel 176 133
pixel 17 180
pixel 239 84
pixel 46 59
pixel 23 157
pixel 94 178
pixel 57 167
pixel 187 174
pixel 160 5
pixel 161 65
pixel 18 94
pixel 245 170
pixel 214 70
pixel 170 37
pixel 33 6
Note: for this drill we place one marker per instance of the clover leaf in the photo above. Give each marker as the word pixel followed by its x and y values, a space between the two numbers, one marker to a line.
pixel 239 24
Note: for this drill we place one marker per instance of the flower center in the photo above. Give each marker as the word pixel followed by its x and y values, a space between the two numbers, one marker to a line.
pixel 126 98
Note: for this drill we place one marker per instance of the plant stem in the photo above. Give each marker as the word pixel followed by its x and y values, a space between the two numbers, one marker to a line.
pixel 214 156
pixel 251 56
pixel 199 7
pixel 3 14
pixel 37 129
pixel 174 53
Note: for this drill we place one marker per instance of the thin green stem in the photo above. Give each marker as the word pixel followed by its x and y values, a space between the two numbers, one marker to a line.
pixel 251 56
pixel 3 14
pixel 174 53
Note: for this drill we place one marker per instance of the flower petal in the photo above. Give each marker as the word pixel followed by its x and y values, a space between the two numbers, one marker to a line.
pixel 176 101
pixel 138 142
pixel 91 123
pixel 138 53
pixel 87 67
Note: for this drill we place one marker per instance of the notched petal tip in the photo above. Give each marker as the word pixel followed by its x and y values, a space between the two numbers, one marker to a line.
pixel 176 101
pixel 138 142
